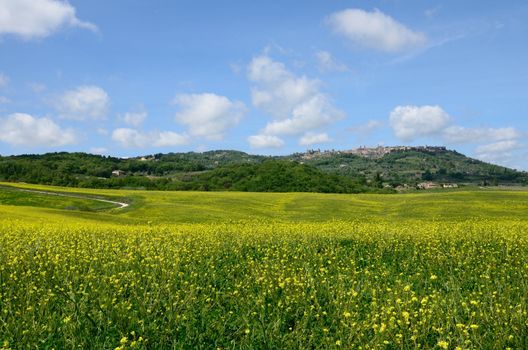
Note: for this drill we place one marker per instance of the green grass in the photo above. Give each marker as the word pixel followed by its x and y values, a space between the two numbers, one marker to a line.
pixel 13 196
pixel 198 207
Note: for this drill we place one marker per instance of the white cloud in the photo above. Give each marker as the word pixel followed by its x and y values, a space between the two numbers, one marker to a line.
pixel 207 114
pixel 313 113
pixel 98 150
pixel 277 90
pixel 135 118
pixel 170 138
pixel 375 30
pixel 38 18
pixel 83 102
pixel 132 138
pixel 411 122
pixel 327 63
pixel 459 134
pixel 265 141
pixel 501 146
pixel 4 80
pixel 502 152
pixel 311 138
pixel 368 127
pixel 296 103
pixel 20 129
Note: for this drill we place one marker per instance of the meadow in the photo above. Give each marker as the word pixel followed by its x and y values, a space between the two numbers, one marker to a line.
pixel 196 270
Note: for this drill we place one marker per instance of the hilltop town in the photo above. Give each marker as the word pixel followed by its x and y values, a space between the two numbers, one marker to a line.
pixel 372 152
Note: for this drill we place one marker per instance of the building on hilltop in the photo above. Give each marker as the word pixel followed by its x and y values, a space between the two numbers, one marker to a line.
pixel 372 152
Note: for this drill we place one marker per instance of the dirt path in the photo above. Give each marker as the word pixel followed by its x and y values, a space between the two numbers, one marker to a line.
pixel 120 205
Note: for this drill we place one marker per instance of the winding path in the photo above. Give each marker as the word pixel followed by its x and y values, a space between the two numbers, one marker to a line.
pixel 120 205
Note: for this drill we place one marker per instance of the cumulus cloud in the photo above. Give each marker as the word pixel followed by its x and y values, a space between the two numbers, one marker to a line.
pixel 411 122
pixel 135 118
pixel 459 134
pixel 20 129
pixel 277 91
pixel 265 141
pixel 501 146
pixel 327 63
pixel 4 80
pixel 495 145
pixel 374 30
pixel 38 18
pixel 208 115
pixel 311 138
pixel 502 152
pixel 132 138
pixel 296 104
pixel 170 138
pixel 313 113
pixel 83 102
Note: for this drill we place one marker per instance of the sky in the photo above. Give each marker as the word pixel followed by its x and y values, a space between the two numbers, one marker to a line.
pixel 137 77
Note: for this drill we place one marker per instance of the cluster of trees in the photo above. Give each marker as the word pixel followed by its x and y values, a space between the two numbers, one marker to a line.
pixel 95 165
pixel 276 176
pixel 90 171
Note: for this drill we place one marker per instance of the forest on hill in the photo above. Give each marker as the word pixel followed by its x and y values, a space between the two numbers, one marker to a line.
pixel 313 171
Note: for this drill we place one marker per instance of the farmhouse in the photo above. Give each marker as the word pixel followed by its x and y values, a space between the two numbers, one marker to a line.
pixel 118 173
pixel 427 185
pixel 450 185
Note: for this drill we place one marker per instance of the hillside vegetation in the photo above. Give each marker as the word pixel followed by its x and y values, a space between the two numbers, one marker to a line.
pixel 332 171
pixel 415 165
pixel 274 176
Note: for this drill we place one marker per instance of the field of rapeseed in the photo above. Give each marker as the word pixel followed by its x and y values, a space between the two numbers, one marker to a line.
pixel 259 284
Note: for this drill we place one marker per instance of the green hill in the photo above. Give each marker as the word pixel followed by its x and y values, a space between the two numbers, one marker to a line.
pixel 365 169
pixel 411 165
pixel 274 176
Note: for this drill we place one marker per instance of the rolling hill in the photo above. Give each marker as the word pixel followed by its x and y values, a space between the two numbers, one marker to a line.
pixel 349 171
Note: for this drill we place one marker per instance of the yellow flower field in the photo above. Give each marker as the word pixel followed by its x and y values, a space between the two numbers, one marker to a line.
pixel 262 284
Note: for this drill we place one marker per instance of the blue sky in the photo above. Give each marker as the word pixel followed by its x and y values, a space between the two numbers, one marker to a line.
pixel 133 77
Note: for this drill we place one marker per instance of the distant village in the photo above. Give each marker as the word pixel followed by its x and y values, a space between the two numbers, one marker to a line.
pixel 427 185
pixel 372 152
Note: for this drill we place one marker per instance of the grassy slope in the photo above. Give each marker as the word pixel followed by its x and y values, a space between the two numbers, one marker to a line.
pixel 191 207
pixel 11 196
